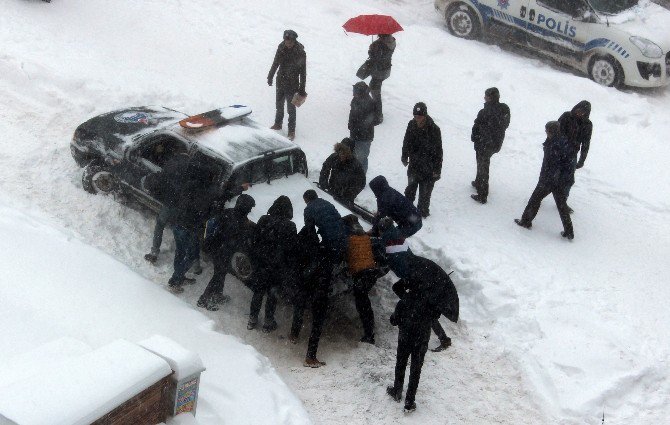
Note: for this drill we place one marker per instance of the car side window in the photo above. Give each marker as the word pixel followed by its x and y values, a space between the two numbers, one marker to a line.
pixel 572 8
pixel 160 150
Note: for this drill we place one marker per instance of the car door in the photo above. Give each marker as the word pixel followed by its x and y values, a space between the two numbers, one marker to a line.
pixel 559 27
pixel 507 19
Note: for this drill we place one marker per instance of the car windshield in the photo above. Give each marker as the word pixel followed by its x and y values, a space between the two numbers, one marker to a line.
pixel 612 7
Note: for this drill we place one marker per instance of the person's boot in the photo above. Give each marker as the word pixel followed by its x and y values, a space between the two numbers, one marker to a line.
pixel 252 323
pixel 314 363
pixel 293 339
pixel 443 346
pixel 473 184
pixel 269 326
pixel 568 235
pixel 175 287
pixel 291 135
pixel 276 127
pixel 479 199
pixel 207 303
pixel 395 395
pixel 522 223
pixel 151 257
pixel 410 406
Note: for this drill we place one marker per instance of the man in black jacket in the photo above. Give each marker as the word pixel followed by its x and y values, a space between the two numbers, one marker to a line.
pixel 341 174
pixel 488 134
pixel 577 127
pixel 274 246
pixel 556 177
pixel 362 123
pixel 422 155
pixel 290 64
pixel 234 230
pixel 380 53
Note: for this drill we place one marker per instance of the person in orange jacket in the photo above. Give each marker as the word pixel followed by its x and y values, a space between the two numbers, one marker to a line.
pixel 363 269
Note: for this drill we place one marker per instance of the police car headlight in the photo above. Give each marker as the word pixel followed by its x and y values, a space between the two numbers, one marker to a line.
pixel 648 48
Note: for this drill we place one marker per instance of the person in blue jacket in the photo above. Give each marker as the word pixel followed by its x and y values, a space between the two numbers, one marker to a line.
pixel 393 204
pixel 556 177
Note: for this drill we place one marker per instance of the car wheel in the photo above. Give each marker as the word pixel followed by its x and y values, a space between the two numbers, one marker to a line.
pixel 241 266
pixel 463 22
pixel 606 71
pixel 98 179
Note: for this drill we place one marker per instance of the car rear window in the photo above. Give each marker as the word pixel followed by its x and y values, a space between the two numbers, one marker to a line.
pixel 270 168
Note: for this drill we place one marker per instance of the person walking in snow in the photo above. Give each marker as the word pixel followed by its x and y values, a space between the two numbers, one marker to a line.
pixel 380 53
pixel 322 215
pixel 290 64
pixel 422 155
pixel 273 248
pixel 232 229
pixel 342 175
pixel 488 133
pixel 362 123
pixel 363 271
pixel 393 204
pixel 556 177
pixel 577 127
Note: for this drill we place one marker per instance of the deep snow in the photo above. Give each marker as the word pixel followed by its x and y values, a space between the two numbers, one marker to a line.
pixel 551 331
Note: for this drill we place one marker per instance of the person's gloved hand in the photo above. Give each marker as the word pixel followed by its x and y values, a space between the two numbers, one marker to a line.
pixel 270 82
pixel 404 162
pixel 580 164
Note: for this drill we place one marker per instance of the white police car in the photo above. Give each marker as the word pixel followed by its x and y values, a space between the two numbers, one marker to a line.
pixel 615 42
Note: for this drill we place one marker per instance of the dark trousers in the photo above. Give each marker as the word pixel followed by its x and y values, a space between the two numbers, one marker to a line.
pixel 376 94
pixel 285 96
pixel 221 266
pixel 439 330
pixel 186 252
pixel 363 282
pixel 560 196
pixel 270 303
pixel 425 187
pixel 412 345
pixel 482 178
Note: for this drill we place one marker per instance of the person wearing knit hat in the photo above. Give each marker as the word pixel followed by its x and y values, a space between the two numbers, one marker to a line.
pixel 422 155
pixel 488 133
pixel 362 122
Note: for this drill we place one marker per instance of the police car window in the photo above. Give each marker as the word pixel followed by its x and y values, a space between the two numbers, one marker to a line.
pixel 160 150
pixel 612 6
pixel 569 7
pixel 220 168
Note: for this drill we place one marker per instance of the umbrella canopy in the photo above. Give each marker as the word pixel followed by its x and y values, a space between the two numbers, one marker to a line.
pixel 372 25
pixel 435 284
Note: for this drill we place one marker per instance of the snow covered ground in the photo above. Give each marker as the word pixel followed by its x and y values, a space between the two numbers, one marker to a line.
pixel 551 331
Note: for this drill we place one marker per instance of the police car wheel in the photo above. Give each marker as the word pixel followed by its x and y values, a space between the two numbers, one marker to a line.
pixel 97 179
pixel 462 22
pixel 606 71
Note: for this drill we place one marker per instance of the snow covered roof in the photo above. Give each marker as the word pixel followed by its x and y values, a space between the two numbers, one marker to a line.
pixel 84 388
pixel 238 141
pixel 183 362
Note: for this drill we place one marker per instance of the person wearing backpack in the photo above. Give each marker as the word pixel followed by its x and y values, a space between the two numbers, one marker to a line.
pixel 273 247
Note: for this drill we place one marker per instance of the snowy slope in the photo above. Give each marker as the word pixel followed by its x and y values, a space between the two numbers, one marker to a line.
pixel 551 331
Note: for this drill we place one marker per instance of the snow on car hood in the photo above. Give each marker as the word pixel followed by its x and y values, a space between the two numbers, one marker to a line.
pixel 292 186
pixel 646 20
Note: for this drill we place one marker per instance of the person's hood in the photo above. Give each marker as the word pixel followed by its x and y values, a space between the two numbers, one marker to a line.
pixel 584 105
pixel 646 19
pixel 244 204
pixel 389 42
pixel 282 207
pixel 378 185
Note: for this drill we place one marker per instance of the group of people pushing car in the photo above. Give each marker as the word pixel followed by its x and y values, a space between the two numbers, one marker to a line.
pixel 301 263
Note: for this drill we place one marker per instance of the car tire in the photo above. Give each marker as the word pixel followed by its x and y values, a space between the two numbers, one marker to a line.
pixel 240 265
pixel 97 178
pixel 463 22
pixel 605 70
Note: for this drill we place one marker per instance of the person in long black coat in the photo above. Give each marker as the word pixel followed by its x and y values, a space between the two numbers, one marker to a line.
pixel 556 177
pixel 273 249
pixel 234 230
pixel 422 155
pixel 488 133
pixel 577 127
pixel 380 53
pixel 362 123
pixel 290 64
pixel 341 174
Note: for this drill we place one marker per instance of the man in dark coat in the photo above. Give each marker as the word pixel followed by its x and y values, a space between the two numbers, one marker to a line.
pixel 341 174
pixel 488 134
pixel 321 214
pixel 273 248
pixel 391 203
pixel 362 123
pixel 290 63
pixel 233 231
pixel 556 177
pixel 577 127
pixel 422 155
pixel 380 53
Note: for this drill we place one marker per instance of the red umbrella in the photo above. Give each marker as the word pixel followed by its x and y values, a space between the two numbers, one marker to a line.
pixel 372 25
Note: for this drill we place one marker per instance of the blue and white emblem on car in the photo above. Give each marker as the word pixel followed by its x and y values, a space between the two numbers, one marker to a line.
pixel 504 4
pixel 132 118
